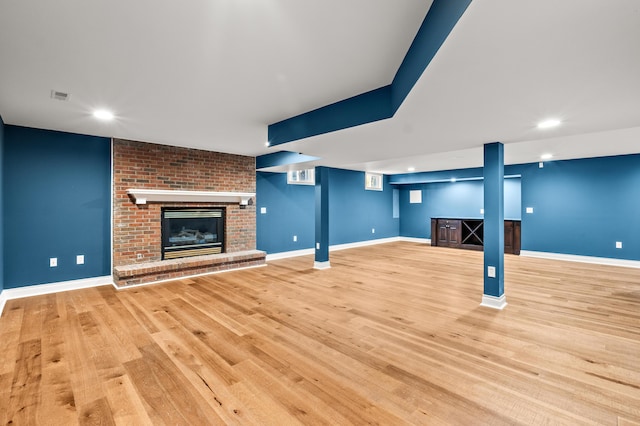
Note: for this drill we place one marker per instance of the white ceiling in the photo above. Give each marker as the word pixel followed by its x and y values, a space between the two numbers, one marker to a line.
pixel 212 74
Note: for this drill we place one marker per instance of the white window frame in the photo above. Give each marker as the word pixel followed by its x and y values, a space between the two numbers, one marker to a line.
pixel 301 177
pixel 373 181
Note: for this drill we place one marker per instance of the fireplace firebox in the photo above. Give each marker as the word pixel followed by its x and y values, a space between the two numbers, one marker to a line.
pixel 192 232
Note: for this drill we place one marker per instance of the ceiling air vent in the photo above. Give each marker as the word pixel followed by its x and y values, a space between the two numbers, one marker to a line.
pixel 59 96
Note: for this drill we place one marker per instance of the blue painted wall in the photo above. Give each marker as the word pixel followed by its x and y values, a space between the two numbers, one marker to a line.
pixel 1 206
pixel 57 189
pixel 451 199
pixel 354 211
pixel 583 207
pixel 290 211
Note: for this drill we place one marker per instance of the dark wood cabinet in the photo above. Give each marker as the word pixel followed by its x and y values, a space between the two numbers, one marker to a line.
pixel 512 236
pixel 448 233
pixel 469 234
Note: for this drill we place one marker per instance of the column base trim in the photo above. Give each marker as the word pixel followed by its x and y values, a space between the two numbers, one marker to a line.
pixel 321 265
pixel 494 302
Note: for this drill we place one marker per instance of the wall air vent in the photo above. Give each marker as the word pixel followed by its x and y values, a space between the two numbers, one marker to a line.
pixel 60 96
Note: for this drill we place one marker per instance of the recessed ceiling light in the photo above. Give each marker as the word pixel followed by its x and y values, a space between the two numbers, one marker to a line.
pixel 453 180
pixel 267 143
pixel 546 124
pixel 546 156
pixel 103 114
pixel 411 169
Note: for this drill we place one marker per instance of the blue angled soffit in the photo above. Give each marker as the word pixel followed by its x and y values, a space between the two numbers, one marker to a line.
pixel 383 102
pixel 364 108
pixel 282 158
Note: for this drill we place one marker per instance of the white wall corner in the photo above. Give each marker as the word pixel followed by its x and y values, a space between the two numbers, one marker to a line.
pixel 494 302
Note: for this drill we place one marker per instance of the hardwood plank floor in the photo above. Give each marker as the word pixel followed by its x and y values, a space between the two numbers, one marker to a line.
pixel 391 334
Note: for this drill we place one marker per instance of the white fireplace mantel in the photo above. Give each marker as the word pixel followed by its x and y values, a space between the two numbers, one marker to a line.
pixel 144 196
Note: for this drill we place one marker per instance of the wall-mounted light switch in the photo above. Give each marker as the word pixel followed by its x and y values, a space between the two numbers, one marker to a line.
pixel 53 262
pixel 317 246
pixel 373 230
pixel 295 238
pixel 481 211
pixel 80 259
pixel 618 244
pixel 263 210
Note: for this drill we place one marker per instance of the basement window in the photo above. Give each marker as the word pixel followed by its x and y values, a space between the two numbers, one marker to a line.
pixel 301 177
pixel 372 182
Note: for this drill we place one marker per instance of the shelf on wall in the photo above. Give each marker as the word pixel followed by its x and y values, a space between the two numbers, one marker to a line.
pixel 144 196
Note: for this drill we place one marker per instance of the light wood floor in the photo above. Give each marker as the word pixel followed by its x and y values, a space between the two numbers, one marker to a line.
pixel 392 334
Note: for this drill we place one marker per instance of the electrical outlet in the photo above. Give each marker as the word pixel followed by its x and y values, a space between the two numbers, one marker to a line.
pixel 139 256
pixel 373 230
pixel 80 259
pixel 317 246
pixel 295 238
pixel 53 262
pixel 529 210
pixel 263 210
pixel 618 244
pixel 491 271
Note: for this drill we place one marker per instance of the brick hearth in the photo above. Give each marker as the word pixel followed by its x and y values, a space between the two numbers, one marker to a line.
pixel 141 273
pixel 137 228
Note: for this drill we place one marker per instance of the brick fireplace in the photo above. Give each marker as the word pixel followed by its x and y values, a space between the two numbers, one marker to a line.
pixel 137 228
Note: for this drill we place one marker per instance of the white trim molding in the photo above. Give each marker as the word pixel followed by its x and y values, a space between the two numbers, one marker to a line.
pixel 582 259
pixel 494 302
pixel 3 301
pixel 144 196
pixel 288 254
pixel 40 289
pixel 338 247
pixel 321 265
pixel 426 241
pixel 365 243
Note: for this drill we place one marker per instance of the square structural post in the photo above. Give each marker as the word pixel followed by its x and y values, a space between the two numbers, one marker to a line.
pixel 322 219
pixel 494 296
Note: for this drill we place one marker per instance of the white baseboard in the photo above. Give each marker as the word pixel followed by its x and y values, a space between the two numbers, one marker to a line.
pixel 338 247
pixel 357 244
pixel 582 259
pixel 415 240
pixel 288 254
pixel 40 289
pixel 3 301
pixel 494 302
